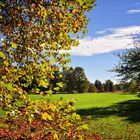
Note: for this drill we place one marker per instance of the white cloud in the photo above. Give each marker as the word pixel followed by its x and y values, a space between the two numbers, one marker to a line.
pixel 133 11
pixel 107 41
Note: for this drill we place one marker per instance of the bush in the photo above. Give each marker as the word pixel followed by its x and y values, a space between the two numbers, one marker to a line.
pixel 45 120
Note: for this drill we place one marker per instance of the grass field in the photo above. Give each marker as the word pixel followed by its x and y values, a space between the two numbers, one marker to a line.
pixel 114 116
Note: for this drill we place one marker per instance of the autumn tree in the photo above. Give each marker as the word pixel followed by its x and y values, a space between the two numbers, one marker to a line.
pixel 32 35
pixel 33 32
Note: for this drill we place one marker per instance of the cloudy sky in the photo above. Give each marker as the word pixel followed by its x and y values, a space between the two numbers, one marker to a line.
pixel 112 26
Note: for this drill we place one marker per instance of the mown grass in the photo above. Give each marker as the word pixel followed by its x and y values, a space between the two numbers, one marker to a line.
pixel 114 116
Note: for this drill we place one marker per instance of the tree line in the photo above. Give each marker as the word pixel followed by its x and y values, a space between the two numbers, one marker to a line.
pixel 73 80
pixel 76 81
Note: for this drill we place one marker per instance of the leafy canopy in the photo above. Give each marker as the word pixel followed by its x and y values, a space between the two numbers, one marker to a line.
pixel 33 32
pixel 129 67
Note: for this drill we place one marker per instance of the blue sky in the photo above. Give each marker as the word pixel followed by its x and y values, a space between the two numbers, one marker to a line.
pixel 112 25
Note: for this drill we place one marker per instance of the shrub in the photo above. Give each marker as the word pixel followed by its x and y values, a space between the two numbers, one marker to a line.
pixel 45 120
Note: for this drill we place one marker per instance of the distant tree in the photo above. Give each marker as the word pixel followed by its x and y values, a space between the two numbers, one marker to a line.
pixel 81 81
pixel 117 87
pixel 98 85
pixel 92 88
pixel 109 86
pixel 68 80
pixel 102 87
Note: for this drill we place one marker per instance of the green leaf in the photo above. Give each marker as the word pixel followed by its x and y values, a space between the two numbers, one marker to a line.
pixel 56 88
pixel 2 84
pixel 83 127
pixel 9 96
pixel 49 92
pixel 4 77
pixel 10 86
pixel 6 63
pixel 26 85
pixel 60 84
pixel 2 55
pixel 60 76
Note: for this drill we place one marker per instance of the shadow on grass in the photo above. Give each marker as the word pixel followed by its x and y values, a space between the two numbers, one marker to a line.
pixel 129 109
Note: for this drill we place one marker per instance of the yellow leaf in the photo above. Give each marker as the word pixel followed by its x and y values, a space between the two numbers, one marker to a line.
pixel 60 102
pixel 49 117
pixel 14 45
pixel 60 76
pixel 56 136
pixel 46 116
pixel 30 119
pixel 23 96
pixel 52 107
pixel 43 83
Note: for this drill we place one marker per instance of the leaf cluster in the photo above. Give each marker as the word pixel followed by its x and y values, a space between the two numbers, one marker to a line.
pixel 46 120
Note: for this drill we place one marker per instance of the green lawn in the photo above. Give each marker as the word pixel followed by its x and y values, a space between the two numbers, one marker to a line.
pixel 114 116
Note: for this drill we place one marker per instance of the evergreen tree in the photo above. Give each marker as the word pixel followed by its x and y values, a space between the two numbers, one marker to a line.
pixel 98 85
pixel 109 86
pixel 81 81
pixel 68 80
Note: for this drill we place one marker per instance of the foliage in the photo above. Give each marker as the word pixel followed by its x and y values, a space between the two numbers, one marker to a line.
pixel 92 88
pixel 68 80
pixel 55 85
pixel 99 86
pixel 116 129
pixel 133 87
pixel 81 82
pixel 33 34
pixel 129 67
pixel 75 80
pixel 118 87
pixel 109 126
pixel 109 86
pixel 43 120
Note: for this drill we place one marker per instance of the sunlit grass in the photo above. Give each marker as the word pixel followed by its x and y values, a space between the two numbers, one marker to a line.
pixel 114 116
